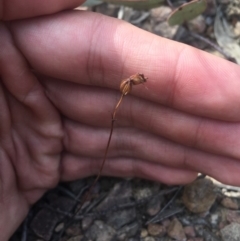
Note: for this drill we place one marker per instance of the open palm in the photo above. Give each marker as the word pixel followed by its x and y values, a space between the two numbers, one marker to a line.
pixel 60 75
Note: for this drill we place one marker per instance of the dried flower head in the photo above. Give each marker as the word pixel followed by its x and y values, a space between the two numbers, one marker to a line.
pixel 126 84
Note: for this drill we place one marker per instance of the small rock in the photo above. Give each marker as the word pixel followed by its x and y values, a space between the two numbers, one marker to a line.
pixel 99 231
pixel 143 190
pixel 207 234
pixel 197 24
pixel 229 203
pixel 74 230
pixel 214 218
pixel 175 230
pixel 128 231
pixel 159 24
pixel 233 216
pixel 154 206
pixel 119 218
pixel 144 233
pixel 160 14
pixel 156 230
pixel 166 223
pixel 199 195
pixel 231 232
pixel 163 29
pixel 86 222
pixel 59 227
pixel 199 230
pixel 189 231
pixel 186 220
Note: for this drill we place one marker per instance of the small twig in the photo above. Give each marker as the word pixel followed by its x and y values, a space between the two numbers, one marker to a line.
pixel 215 46
pixel 143 17
pixel 172 199
pixel 157 216
pixel 68 193
pixel 167 214
pixel 169 2
pixel 127 205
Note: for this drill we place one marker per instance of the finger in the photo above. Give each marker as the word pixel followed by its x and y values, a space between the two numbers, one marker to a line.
pixel 19 80
pixel 34 141
pixel 5 120
pixel 93 106
pixel 14 9
pixel 74 167
pixel 133 144
pixel 89 48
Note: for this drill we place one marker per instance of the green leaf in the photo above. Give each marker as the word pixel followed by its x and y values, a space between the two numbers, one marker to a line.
pixel 187 11
pixel 138 4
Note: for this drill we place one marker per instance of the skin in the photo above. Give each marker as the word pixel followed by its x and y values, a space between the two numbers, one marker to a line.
pixel 59 83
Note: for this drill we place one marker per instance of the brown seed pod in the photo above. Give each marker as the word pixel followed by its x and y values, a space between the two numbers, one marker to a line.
pixel 126 84
pixel 138 79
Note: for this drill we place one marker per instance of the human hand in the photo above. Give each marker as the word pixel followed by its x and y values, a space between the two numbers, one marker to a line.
pixel 184 123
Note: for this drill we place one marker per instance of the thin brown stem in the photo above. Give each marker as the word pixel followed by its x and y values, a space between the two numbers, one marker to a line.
pixel 109 138
pixel 125 88
pixel 105 154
